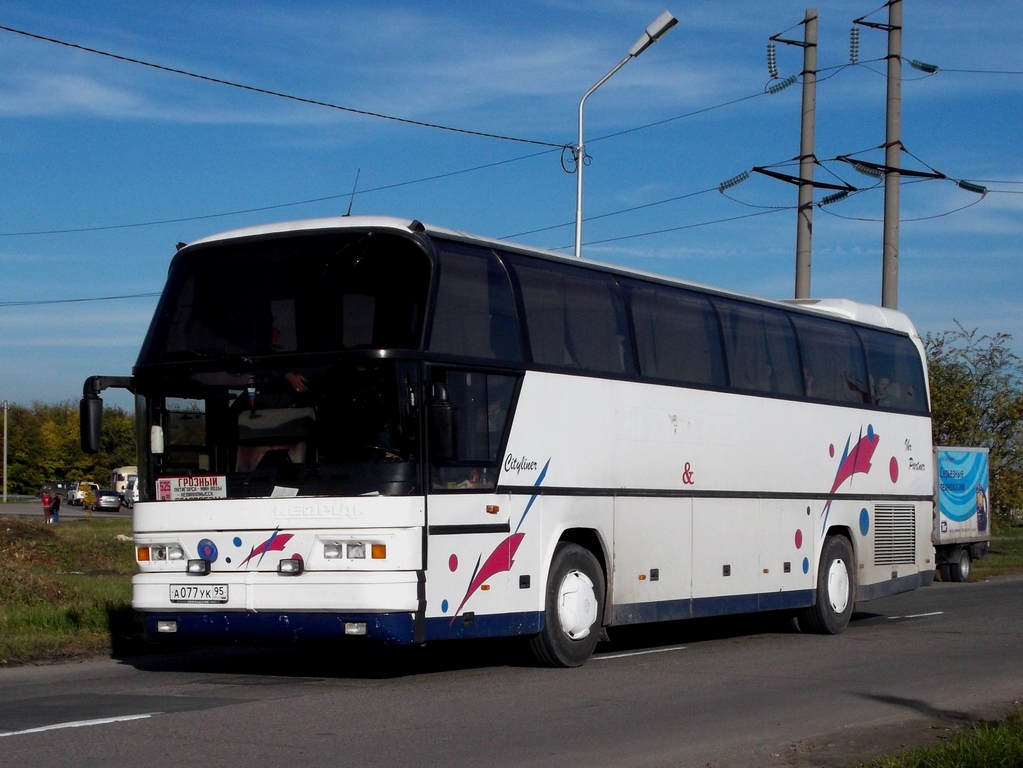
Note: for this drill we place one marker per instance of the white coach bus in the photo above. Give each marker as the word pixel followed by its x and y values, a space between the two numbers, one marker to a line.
pixel 370 427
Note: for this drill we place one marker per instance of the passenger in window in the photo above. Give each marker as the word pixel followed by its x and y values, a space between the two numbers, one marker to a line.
pixel 811 381
pixel 889 393
pixel 482 442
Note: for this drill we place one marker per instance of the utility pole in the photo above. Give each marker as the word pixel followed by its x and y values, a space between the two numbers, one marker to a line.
pixel 892 159
pixel 804 211
pixel 5 451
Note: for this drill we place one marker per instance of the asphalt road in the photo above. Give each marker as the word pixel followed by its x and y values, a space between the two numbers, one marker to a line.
pixel 719 693
pixel 34 508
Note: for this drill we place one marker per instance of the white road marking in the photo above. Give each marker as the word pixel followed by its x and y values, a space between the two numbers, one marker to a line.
pixel 78 724
pixel 637 653
pixel 916 615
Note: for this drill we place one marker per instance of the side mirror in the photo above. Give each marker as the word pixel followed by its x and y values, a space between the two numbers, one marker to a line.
pixel 441 417
pixel 90 410
pixel 90 416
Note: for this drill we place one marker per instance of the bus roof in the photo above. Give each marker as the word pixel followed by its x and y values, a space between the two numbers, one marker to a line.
pixel 859 312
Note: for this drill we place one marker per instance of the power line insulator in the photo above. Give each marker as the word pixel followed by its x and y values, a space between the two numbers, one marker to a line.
pixel 869 170
pixel 772 61
pixel 735 180
pixel 969 186
pixel 854 45
pixel 923 66
pixel 833 198
pixel 777 87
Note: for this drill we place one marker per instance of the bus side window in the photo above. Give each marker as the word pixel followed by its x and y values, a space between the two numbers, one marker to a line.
pixel 677 335
pixel 832 360
pixel 760 346
pixel 575 318
pixel 896 377
pixel 475 312
pixel 479 404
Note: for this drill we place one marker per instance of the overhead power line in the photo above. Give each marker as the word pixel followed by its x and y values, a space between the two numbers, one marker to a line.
pixel 38 302
pixel 277 94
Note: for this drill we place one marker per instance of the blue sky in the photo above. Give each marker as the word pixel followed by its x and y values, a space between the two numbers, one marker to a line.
pixel 93 149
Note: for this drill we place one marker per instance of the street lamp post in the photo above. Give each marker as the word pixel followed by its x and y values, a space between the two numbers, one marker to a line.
pixel 651 35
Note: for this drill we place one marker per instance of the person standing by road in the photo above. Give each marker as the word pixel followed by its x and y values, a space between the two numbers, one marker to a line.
pixel 54 510
pixel 46 509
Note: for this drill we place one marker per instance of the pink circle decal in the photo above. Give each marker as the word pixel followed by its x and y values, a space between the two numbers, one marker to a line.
pixel 453 563
pixel 799 539
pixel 831 450
pixel 893 469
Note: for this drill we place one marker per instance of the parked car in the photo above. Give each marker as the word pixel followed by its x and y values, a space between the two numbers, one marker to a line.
pixel 131 491
pixel 79 492
pixel 60 488
pixel 108 501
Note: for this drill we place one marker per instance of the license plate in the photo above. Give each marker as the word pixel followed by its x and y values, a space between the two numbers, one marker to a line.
pixel 198 593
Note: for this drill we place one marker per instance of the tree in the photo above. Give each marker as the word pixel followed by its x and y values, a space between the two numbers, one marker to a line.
pixel 44 445
pixel 977 400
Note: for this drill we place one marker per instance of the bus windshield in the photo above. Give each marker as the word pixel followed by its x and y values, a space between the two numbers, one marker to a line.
pixel 304 294
pixel 270 362
pixel 344 428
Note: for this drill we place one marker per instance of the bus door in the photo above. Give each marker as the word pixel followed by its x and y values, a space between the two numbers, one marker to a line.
pixel 473 547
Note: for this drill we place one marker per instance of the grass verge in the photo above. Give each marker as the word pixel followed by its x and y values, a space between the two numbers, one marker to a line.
pixel 981 745
pixel 1005 555
pixel 65 590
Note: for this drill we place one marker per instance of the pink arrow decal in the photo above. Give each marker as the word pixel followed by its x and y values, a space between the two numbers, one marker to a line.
pixel 275 543
pixel 853 462
pixel 500 560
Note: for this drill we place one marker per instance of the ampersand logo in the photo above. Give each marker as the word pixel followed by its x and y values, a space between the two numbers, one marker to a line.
pixel 687 475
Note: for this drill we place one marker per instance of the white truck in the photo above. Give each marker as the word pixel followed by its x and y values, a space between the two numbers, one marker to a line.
pixel 962 522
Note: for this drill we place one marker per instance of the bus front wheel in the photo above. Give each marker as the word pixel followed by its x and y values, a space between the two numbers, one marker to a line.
pixel 830 613
pixel 574 608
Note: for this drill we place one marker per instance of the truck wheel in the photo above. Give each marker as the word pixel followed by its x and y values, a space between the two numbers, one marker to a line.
pixel 960 565
pixel 946 572
pixel 574 609
pixel 830 613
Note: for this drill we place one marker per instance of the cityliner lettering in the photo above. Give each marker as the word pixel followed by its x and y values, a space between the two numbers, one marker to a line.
pixel 517 464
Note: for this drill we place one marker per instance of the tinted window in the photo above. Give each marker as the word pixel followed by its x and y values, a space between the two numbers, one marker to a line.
pixel 475 312
pixel 677 335
pixel 760 348
pixel 832 360
pixel 575 318
pixel 294 294
pixel 480 404
pixel 896 374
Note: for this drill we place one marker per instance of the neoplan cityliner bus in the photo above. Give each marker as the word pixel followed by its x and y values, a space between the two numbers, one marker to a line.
pixel 370 427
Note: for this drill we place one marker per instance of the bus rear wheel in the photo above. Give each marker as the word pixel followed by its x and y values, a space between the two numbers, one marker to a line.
pixel 574 609
pixel 830 613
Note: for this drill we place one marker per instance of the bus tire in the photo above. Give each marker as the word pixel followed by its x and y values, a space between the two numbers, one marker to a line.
pixel 960 565
pixel 833 606
pixel 573 610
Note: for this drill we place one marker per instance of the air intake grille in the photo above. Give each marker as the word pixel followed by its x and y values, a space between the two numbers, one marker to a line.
pixel 894 534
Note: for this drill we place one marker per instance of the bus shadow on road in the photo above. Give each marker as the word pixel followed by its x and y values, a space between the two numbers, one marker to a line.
pixel 358 659
pixel 343 659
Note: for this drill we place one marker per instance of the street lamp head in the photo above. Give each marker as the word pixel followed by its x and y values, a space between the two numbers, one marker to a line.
pixel 653 33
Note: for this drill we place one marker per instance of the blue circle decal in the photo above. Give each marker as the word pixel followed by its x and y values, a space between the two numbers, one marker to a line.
pixel 864 521
pixel 237 541
pixel 806 565
pixel 208 550
pixel 444 606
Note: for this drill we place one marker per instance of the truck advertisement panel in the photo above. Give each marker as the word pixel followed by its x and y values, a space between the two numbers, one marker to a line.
pixel 961 495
